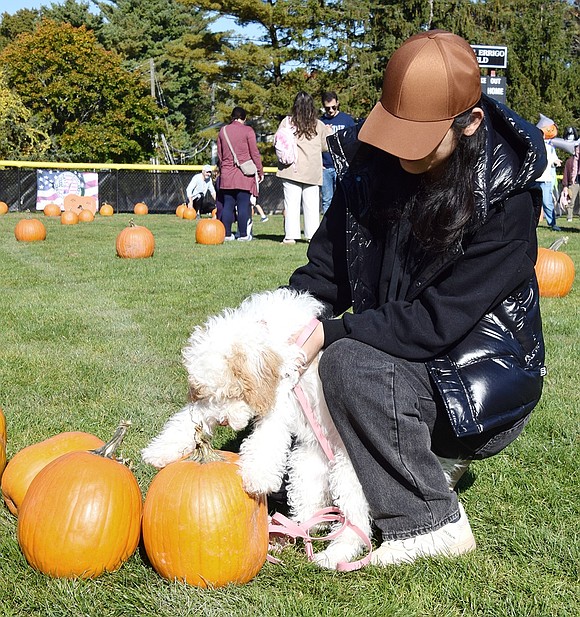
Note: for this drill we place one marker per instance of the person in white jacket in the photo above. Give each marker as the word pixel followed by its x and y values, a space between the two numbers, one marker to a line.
pixel 303 178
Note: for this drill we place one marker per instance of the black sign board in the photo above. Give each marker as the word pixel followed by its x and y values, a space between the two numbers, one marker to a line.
pixel 491 56
pixel 494 87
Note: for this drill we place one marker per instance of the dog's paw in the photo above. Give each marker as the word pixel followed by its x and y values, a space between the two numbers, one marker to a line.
pixel 339 551
pixel 160 456
pixel 258 482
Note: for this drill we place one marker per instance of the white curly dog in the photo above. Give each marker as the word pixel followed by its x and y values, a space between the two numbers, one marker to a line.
pixel 242 367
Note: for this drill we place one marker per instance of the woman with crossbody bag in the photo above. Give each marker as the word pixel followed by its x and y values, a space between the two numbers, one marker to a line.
pixel 237 149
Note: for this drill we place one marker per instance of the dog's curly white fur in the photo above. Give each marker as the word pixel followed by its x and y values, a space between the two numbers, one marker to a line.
pixel 242 367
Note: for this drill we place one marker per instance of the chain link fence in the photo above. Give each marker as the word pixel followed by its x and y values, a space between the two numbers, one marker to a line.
pixel 162 191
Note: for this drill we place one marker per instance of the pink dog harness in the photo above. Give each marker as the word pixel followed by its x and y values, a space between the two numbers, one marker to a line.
pixel 280 525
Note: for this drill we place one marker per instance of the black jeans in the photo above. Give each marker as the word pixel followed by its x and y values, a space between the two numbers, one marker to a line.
pixel 387 414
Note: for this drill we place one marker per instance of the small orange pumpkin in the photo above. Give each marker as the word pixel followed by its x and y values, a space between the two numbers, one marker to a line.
pixel 82 514
pixel 52 209
pixel 179 210
pixel 3 436
pixel 189 214
pixel 200 526
pixel 86 216
pixel 554 270
pixel 3 207
pixel 29 230
pixel 135 242
pixel 140 208
pixel 210 231
pixel 24 466
pixel 69 217
pixel 106 209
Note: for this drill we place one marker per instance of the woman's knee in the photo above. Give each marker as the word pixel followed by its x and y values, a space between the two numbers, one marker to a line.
pixel 337 361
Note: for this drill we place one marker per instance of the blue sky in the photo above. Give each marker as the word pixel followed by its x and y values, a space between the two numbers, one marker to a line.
pixel 11 6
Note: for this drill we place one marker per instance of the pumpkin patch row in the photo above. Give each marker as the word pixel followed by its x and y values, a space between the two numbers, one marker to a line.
pixel 80 512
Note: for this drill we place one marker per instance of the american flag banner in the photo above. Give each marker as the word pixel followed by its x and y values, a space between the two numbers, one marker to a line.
pixel 53 185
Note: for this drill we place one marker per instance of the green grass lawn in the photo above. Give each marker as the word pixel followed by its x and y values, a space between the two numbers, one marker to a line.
pixel 87 339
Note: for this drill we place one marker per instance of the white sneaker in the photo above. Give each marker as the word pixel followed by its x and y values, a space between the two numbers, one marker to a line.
pixel 229 238
pixel 244 238
pixel 450 540
pixel 264 219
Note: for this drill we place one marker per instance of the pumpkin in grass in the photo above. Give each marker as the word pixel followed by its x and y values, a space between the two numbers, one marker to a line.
pixel 25 465
pixel 52 209
pixel 29 230
pixel 210 231
pixel 179 210
pixel 82 514
pixel 200 526
pixel 69 217
pixel 106 209
pixel 3 207
pixel 135 242
pixel 140 208
pixel 189 214
pixel 2 441
pixel 86 216
pixel 554 270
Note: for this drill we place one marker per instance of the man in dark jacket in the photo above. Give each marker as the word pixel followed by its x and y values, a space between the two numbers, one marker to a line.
pixel 431 241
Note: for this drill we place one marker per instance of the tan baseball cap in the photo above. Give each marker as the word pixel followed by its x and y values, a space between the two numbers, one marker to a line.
pixel 432 78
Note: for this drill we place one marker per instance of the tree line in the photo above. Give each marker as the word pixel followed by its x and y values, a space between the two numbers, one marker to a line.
pixel 128 80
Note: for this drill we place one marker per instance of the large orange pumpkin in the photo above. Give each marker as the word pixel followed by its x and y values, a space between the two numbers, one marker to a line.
pixel 69 217
pixel 554 270
pixel 210 231
pixel 2 441
pixel 140 208
pixel 179 210
pixel 52 209
pixel 200 526
pixel 135 242
pixel 82 514
pixel 29 230
pixel 25 465
pixel 106 209
pixel 3 207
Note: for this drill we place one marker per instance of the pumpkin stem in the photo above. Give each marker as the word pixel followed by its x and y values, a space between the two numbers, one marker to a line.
pixel 109 449
pixel 203 452
pixel 132 223
pixel 557 244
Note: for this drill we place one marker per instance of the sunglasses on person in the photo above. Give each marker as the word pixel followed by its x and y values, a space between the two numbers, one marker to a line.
pixel 330 107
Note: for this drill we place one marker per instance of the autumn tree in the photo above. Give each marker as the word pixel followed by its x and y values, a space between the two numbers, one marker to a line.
pixel 80 94
pixel 19 138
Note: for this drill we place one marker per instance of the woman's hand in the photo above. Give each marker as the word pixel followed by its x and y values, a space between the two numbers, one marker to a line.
pixel 312 347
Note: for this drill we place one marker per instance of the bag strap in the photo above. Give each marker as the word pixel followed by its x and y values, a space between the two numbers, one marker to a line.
pixel 237 163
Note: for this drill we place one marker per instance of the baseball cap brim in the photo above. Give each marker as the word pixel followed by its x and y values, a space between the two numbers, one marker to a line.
pixel 406 139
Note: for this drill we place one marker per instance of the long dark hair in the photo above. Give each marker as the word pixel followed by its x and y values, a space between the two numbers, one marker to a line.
pixel 442 208
pixel 304 115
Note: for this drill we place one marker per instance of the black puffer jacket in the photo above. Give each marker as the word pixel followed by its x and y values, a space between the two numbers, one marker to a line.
pixel 472 314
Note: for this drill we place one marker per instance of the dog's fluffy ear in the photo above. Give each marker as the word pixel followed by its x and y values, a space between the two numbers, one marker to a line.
pixel 258 379
pixel 198 392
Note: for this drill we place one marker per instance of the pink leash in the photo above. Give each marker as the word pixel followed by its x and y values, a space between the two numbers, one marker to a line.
pixel 280 525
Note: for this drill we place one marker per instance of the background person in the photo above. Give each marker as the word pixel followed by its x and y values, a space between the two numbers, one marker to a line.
pixel 570 196
pixel 235 187
pixel 302 179
pixel 337 120
pixel 547 179
pixel 432 244
pixel 201 192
